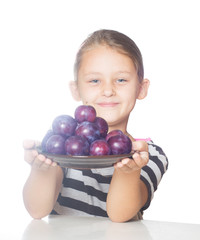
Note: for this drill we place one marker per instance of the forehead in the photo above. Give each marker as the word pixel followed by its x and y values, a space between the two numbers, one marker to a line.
pixel 104 47
pixel 103 57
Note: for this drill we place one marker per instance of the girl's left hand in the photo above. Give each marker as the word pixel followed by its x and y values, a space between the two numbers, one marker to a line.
pixel 140 158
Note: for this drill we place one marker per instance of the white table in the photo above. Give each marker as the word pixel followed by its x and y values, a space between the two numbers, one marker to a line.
pixel 95 228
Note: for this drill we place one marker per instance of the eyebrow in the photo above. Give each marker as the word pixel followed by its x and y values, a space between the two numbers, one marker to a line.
pixel 99 73
pixel 122 72
pixel 92 73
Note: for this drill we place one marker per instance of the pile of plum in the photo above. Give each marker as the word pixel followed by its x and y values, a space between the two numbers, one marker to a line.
pixel 84 135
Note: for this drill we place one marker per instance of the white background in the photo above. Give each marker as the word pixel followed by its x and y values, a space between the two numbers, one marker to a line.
pixel 38 43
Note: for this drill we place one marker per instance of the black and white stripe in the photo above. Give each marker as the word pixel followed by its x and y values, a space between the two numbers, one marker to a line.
pixel 84 192
pixel 153 172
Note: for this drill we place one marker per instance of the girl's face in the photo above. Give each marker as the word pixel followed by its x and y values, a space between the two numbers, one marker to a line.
pixel 108 81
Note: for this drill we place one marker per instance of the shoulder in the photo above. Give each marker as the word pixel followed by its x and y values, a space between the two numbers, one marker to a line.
pixel 156 154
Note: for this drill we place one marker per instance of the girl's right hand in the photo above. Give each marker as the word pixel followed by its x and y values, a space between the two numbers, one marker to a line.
pixel 36 160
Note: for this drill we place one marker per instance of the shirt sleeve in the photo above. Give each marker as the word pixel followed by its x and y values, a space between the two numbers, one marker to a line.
pixel 152 173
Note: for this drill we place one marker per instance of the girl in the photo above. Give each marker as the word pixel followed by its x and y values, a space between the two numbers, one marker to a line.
pixel 109 76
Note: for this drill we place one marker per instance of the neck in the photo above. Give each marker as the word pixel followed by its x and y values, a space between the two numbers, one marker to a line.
pixel 121 127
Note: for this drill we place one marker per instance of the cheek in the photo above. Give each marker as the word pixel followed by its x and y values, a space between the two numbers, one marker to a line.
pixel 88 96
pixel 130 103
pixel 129 99
pixel 129 94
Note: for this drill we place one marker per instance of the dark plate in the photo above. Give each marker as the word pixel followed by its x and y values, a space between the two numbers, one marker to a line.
pixel 85 162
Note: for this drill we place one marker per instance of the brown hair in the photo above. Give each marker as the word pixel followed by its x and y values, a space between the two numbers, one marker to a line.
pixel 113 39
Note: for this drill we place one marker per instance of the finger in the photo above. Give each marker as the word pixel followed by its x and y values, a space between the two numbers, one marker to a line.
pixel 126 165
pixel 46 164
pixel 49 163
pixel 38 161
pixel 54 164
pixel 141 159
pixel 30 155
pixel 43 163
pixel 140 146
pixel 28 144
pixel 121 166
pixel 129 163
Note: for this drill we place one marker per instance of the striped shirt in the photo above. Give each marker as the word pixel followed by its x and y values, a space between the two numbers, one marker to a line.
pixel 84 192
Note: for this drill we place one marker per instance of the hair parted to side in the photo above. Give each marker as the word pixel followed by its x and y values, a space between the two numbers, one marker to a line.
pixel 115 40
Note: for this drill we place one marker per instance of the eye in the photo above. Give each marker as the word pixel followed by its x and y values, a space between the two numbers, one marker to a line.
pixel 94 81
pixel 121 80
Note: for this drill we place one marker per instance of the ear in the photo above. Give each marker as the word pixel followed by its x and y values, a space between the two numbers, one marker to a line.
pixel 73 86
pixel 143 90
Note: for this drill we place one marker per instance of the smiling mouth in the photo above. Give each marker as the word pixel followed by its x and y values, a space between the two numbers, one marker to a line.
pixel 106 104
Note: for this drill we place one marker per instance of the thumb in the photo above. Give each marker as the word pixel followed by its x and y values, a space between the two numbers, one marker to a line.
pixel 140 146
pixel 30 144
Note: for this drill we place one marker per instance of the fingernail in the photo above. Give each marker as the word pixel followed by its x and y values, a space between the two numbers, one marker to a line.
pixel 54 164
pixel 41 157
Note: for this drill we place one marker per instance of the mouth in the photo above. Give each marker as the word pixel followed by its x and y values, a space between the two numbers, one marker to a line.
pixel 107 104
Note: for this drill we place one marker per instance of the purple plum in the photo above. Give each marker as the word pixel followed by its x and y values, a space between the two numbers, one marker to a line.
pixel 45 138
pixel 56 144
pixel 77 146
pixel 102 125
pixel 88 130
pixel 85 113
pixel 99 147
pixel 64 125
pixel 120 144
pixel 113 133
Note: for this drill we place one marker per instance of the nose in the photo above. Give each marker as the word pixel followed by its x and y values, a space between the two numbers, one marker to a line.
pixel 108 90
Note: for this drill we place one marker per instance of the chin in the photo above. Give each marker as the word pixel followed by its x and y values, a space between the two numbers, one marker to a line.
pixel 112 117
pixel 112 122
pixel 109 117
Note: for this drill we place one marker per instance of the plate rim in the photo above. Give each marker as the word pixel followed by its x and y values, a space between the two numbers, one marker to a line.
pixel 85 161
pixel 84 157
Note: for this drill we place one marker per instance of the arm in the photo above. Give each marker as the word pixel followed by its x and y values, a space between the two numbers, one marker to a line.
pixel 127 193
pixel 43 184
